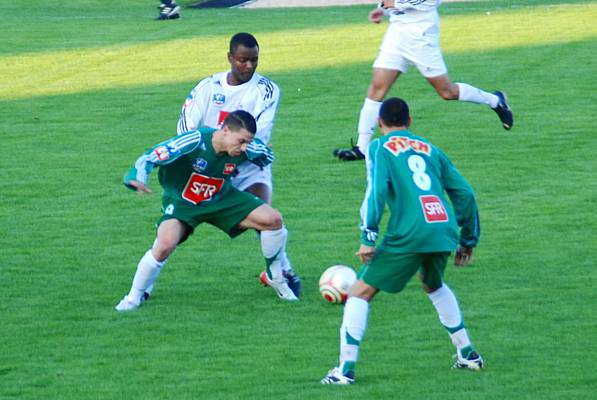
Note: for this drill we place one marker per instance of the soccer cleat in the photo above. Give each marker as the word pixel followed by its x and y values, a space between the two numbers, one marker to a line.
pixel 472 361
pixel 351 154
pixel 281 287
pixel 503 111
pixel 168 11
pixel 126 304
pixel 294 282
pixel 336 377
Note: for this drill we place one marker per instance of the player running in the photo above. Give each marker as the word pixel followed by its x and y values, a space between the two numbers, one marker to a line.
pixel 241 88
pixel 413 38
pixel 418 182
pixel 195 171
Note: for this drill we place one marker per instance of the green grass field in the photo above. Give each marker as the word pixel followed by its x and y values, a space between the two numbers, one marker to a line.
pixel 86 88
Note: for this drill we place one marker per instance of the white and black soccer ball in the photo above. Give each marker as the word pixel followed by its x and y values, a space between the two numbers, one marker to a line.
pixel 335 283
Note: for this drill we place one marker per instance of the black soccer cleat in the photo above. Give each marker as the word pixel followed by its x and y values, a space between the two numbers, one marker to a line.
pixel 351 154
pixel 503 111
pixel 169 10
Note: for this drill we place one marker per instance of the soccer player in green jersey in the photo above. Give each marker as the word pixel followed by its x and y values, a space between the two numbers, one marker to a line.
pixel 195 171
pixel 418 182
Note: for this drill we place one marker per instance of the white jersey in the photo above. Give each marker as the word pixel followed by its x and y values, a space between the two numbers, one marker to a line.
pixel 213 99
pixel 413 10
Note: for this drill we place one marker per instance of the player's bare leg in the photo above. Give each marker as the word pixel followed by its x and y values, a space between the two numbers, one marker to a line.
pixel 273 244
pixel 381 82
pixel 498 101
pixel 170 233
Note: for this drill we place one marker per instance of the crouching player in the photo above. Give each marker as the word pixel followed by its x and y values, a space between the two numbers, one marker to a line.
pixel 194 172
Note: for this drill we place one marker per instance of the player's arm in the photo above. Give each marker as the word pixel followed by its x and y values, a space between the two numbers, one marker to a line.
pixel 191 114
pixel 164 153
pixel 376 194
pixel 259 153
pixel 463 199
pixel 265 114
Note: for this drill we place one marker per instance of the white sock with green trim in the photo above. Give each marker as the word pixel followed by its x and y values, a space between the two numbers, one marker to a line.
pixel 450 316
pixel 367 123
pixel 273 244
pixel 475 95
pixel 147 272
pixel 354 325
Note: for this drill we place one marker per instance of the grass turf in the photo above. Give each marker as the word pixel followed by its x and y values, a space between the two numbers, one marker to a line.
pixel 88 87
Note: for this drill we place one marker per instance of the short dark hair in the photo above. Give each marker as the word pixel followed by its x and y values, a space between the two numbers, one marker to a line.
pixel 242 38
pixel 394 112
pixel 241 119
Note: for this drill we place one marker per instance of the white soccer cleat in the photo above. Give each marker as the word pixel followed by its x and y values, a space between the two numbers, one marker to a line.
pixel 126 304
pixel 336 377
pixel 280 285
pixel 473 361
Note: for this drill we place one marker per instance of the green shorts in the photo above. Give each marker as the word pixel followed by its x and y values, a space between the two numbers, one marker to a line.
pixel 390 272
pixel 225 214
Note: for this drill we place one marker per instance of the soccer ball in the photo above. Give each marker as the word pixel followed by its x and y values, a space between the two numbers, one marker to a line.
pixel 335 282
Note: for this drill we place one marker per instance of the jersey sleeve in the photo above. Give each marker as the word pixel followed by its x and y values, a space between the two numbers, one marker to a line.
pixel 376 194
pixel 191 114
pixel 161 154
pixel 267 107
pixel 463 199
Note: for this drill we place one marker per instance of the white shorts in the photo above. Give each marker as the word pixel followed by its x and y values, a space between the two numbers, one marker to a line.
pixel 250 174
pixel 412 44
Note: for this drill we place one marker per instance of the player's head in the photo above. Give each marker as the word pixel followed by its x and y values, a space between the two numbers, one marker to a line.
pixel 394 113
pixel 237 131
pixel 243 56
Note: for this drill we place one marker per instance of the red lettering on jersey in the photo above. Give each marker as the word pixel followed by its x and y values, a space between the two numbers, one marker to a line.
pixel 433 209
pixel 221 117
pixel 399 144
pixel 201 188
pixel 229 168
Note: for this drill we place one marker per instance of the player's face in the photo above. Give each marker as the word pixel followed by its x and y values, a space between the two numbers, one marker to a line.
pixel 243 63
pixel 237 141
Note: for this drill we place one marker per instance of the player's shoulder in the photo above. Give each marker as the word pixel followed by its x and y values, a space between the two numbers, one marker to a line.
pixel 266 86
pixel 210 81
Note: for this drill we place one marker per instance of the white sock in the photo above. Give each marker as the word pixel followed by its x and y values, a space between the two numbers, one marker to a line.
pixel 272 247
pixel 367 123
pixel 450 316
pixel 147 272
pixel 474 95
pixel 354 324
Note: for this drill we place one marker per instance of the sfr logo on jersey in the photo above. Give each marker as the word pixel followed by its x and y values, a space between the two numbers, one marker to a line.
pixel 433 209
pixel 201 188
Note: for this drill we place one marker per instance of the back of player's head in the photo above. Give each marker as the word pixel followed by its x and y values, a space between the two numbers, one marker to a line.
pixel 242 38
pixel 240 119
pixel 394 112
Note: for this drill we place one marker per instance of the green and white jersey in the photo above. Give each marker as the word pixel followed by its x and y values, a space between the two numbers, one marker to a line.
pixel 417 181
pixel 190 169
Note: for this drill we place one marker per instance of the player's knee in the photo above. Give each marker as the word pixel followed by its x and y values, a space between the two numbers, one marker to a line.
pixel 274 220
pixel 163 249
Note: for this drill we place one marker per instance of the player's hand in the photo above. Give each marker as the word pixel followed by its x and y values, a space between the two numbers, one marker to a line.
pixel 138 186
pixel 259 153
pixel 464 256
pixel 365 253
pixel 376 16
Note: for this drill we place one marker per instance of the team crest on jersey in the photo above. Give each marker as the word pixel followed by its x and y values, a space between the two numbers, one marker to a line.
pixel 401 144
pixel 162 153
pixel 229 168
pixel 219 99
pixel 199 164
pixel 433 209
